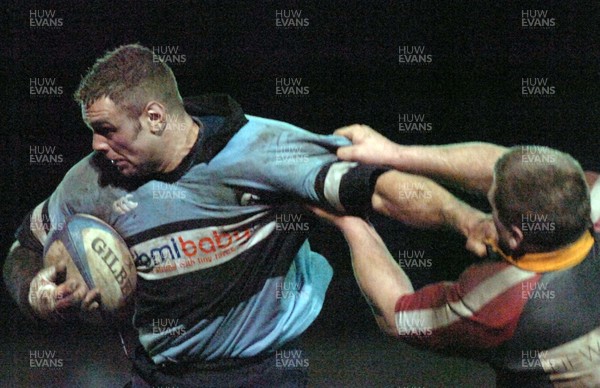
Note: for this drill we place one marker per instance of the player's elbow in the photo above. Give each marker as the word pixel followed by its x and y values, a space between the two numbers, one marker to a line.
pixel 386 320
pixel 7 269
pixel 387 326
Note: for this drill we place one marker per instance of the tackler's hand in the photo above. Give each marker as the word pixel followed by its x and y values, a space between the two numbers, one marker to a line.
pixel 368 146
pixel 480 231
pixel 345 223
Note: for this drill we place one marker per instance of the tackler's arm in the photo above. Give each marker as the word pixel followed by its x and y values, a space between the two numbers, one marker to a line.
pixel 420 202
pixel 466 165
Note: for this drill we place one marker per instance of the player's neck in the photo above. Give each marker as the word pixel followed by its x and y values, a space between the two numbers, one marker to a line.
pixel 184 135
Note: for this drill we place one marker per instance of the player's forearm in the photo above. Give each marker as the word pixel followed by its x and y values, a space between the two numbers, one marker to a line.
pixel 420 202
pixel 466 165
pixel 379 277
pixel 20 267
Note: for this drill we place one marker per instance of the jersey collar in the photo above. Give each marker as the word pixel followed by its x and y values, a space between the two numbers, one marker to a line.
pixel 563 258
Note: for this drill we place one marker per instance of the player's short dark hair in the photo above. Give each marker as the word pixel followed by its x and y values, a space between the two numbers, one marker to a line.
pixel 130 76
pixel 544 192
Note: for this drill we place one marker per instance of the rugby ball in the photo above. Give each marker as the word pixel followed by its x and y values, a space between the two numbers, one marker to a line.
pixel 96 254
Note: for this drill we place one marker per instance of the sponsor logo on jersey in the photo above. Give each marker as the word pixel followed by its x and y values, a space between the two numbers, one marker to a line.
pixel 195 249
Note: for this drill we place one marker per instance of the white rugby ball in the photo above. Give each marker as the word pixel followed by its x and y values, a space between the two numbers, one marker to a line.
pixel 97 255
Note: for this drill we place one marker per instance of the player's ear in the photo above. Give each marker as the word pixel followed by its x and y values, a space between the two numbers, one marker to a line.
pixel 516 237
pixel 156 115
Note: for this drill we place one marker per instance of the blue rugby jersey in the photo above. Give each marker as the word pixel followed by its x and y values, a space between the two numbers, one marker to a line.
pixel 224 267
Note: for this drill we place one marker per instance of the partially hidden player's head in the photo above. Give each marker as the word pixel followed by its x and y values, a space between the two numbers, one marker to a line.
pixel 128 98
pixel 540 200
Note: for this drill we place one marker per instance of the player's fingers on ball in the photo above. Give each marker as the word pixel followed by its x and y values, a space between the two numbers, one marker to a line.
pixel 91 297
pixel 81 289
pixel 91 301
pixel 93 306
pixel 65 289
pixel 64 295
pixel 78 291
pixel 63 302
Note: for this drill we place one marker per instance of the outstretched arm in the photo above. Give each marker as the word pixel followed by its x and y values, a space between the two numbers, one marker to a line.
pixel 466 165
pixel 445 315
pixel 379 277
pixel 420 202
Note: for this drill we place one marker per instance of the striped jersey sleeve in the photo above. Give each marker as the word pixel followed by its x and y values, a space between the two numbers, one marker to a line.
pixel 481 310
pixel 77 192
pixel 277 157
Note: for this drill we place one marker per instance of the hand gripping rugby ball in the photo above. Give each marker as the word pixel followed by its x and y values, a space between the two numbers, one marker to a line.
pixel 96 254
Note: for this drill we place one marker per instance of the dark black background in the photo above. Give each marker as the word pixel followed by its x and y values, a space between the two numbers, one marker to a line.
pixel 348 57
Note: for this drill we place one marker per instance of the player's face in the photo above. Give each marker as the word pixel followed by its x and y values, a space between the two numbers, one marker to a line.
pixel 133 149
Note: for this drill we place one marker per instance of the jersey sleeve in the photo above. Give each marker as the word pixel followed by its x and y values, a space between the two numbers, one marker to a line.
pixel 71 196
pixel 479 311
pixel 275 156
